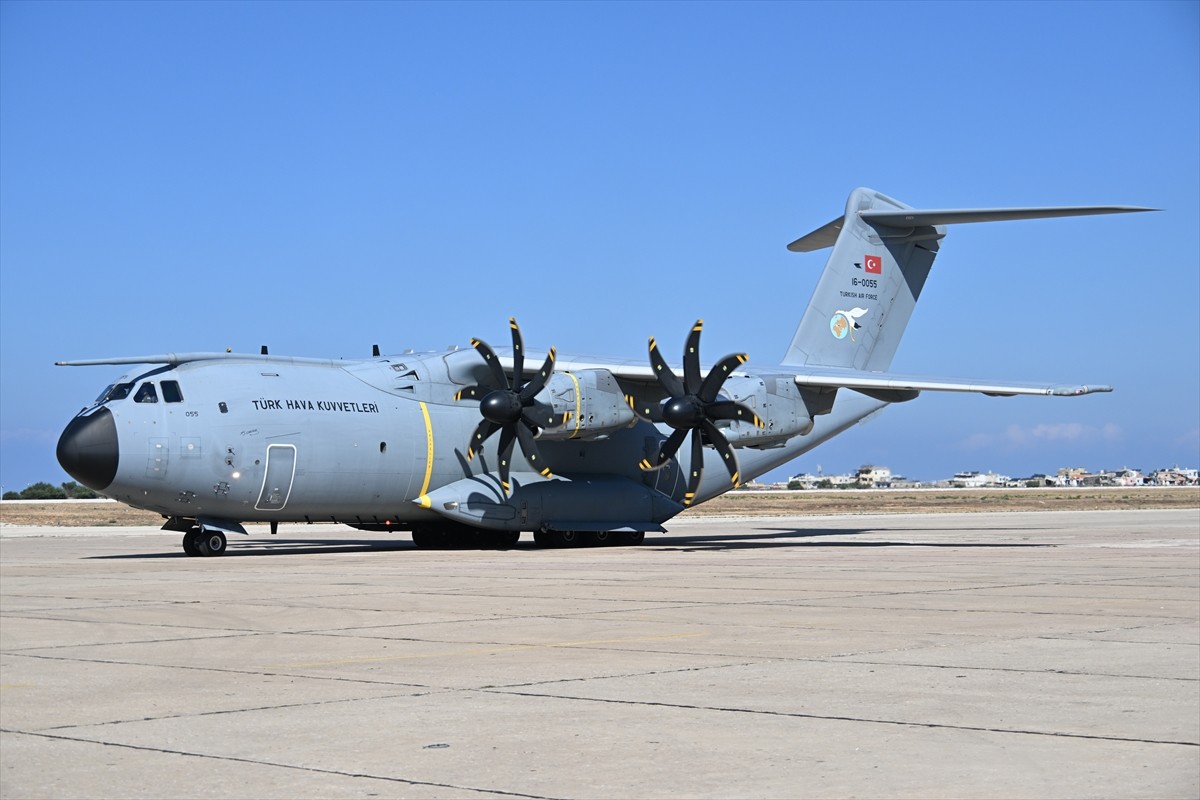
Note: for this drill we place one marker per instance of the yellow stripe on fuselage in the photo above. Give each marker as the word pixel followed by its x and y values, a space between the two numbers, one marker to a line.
pixel 428 449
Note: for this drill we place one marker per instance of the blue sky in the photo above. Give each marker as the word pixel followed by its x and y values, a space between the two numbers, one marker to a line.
pixel 321 177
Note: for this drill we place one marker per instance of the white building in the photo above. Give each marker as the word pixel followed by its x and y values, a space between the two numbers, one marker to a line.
pixel 977 480
pixel 871 475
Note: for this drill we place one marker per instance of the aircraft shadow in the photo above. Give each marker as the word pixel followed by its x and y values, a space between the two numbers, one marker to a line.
pixel 771 538
pixel 759 539
pixel 283 547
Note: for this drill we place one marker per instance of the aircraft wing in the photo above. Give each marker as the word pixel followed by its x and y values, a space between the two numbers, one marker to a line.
pixel 890 385
pixel 886 383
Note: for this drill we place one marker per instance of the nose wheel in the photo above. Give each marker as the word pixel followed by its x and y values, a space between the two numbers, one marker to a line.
pixel 198 542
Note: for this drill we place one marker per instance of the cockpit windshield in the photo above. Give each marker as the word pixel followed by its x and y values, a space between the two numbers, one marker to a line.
pixel 116 391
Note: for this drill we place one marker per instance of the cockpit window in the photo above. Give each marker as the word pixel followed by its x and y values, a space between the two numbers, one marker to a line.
pixel 118 391
pixel 146 394
pixel 171 393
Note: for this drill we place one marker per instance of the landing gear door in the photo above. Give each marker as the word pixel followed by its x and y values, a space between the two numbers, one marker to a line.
pixel 277 482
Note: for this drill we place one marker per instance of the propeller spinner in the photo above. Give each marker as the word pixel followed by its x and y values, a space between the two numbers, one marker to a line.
pixel 510 407
pixel 692 405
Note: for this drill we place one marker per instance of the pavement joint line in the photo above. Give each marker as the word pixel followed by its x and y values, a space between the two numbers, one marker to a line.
pixel 487 650
pixel 231 671
pixel 263 763
pixel 810 604
pixel 25 650
pixel 837 718
pixel 852 660
pixel 247 710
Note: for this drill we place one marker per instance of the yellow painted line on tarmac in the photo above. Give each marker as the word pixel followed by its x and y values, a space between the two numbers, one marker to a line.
pixel 486 651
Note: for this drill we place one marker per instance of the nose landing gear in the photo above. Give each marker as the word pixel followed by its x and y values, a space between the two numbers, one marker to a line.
pixel 199 542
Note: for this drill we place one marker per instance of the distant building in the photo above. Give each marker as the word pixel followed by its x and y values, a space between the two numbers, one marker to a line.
pixel 977 480
pixel 1071 476
pixel 877 477
pixel 1174 477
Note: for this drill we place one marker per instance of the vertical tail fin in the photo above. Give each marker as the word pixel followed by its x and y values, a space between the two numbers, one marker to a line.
pixel 867 292
pixel 882 253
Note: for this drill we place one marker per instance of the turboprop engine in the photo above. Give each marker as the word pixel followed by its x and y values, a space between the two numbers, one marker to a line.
pixel 591 403
pixel 777 402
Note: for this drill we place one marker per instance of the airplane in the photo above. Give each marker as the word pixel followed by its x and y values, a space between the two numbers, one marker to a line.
pixel 425 442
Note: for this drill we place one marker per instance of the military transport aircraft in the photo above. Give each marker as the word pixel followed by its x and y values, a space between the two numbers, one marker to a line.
pixel 425 442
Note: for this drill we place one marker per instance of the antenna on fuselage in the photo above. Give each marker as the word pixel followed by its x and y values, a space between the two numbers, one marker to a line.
pixel 264 349
pixel 375 350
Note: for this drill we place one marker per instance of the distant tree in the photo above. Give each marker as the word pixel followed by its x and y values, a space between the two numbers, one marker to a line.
pixel 12 496
pixel 825 484
pixel 76 492
pixel 793 485
pixel 43 491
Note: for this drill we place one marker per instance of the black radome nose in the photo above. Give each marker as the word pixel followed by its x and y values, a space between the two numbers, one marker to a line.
pixel 88 451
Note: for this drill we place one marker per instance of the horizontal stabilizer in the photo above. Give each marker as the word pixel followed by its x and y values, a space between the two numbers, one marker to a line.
pixel 826 235
pixel 882 383
pixel 906 218
pixel 819 239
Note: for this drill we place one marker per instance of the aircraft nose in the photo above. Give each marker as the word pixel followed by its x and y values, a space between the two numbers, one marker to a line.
pixel 88 451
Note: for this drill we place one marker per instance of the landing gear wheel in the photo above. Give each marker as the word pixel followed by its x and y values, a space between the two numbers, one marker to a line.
pixel 500 540
pixel 211 543
pixel 560 539
pixel 603 539
pixel 429 537
pixel 191 544
pixel 631 538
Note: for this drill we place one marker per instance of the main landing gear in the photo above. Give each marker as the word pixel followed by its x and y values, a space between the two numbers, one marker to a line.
pixel 462 537
pixel 559 539
pixel 199 542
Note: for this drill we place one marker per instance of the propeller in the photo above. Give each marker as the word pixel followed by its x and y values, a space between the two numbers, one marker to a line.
pixel 692 405
pixel 510 407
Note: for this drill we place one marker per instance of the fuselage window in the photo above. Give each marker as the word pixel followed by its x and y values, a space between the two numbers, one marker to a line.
pixel 171 393
pixel 146 394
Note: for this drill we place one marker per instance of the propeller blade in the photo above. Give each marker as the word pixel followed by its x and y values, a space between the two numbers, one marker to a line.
pixel 493 363
pixel 717 375
pixel 507 440
pixel 727 409
pixel 530 449
pixel 518 354
pixel 485 429
pixel 696 466
pixel 666 378
pixel 665 452
pixel 472 393
pixel 649 412
pixel 722 445
pixel 539 381
pixel 691 359
pixel 541 415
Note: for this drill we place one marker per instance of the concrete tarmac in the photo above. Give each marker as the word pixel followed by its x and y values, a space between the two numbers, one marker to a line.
pixel 1021 655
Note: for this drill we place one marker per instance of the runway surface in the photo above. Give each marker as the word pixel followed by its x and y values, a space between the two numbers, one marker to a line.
pixel 1038 655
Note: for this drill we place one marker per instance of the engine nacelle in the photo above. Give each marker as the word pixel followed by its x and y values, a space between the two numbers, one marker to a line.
pixel 777 402
pixel 593 401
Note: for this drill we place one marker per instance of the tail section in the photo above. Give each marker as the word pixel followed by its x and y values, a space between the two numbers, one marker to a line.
pixel 867 293
pixel 882 253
